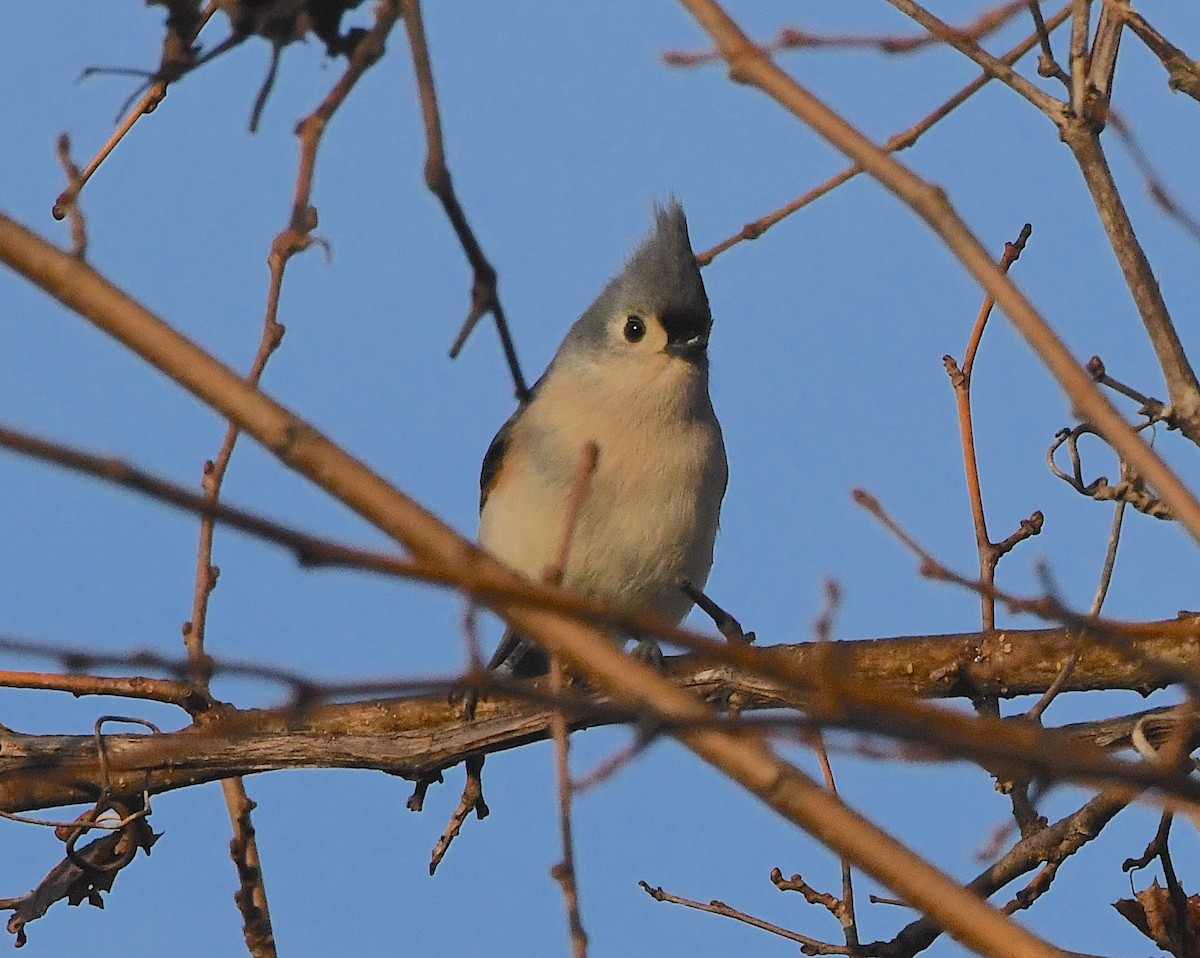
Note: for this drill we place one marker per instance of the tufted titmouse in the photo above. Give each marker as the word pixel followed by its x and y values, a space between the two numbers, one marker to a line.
pixel 632 377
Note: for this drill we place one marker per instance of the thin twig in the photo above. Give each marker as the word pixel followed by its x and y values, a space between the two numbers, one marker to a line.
pixel 1159 192
pixel 968 47
pixel 471 801
pixel 901 141
pixel 251 896
pixel 1183 73
pixel 1110 558
pixel 792 38
pixel 989 553
pixel 1047 65
pixel 1040 884
pixel 295 237
pixel 148 104
pixel 1053 844
pixel 484 296
pixel 1131 488
pixel 1060 681
pixel 932 205
pixel 726 624
pixel 618 760
pixel 812 946
pixel 564 871
pixel 844 912
pixel 1102 61
pixel 70 199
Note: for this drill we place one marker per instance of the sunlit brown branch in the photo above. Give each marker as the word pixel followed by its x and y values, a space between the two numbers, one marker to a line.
pixel 956 665
pixel 968 47
pixel 1047 606
pixel 417 734
pixel 1010 662
pixel 900 141
pixel 484 296
pixel 183 694
pixel 960 376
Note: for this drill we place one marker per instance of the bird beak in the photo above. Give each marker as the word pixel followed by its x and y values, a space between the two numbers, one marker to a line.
pixel 692 347
pixel 687 333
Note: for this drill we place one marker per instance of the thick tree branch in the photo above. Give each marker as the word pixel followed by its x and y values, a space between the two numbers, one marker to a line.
pixel 416 735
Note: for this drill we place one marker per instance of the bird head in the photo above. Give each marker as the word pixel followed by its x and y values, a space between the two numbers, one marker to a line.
pixel 653 318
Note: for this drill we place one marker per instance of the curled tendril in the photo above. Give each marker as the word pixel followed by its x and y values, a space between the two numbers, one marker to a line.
pixel 1131 488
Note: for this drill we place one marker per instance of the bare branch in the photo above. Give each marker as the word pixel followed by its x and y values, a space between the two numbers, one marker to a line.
pixel 484 296
pixel 811 946
pixel 792 38
pixel 1182 72
pixel 900 141
pixel 931 204
pixel 968 47
pixel 1182 385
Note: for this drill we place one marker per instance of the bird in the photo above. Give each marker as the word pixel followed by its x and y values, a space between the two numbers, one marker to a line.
pixel 630 377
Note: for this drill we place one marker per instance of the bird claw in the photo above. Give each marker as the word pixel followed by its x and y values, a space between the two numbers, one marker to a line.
pixel 649 652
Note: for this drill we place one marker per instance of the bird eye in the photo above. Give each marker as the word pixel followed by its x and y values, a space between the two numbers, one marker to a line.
pixel 635 329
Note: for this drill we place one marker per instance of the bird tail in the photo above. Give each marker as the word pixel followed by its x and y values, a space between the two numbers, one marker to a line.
pixel 519 657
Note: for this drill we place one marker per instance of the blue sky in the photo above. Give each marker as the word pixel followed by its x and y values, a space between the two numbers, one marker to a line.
pixel 563 127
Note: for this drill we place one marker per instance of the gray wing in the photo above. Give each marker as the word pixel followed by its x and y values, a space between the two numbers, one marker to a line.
pixel 492 459
pixel 514 653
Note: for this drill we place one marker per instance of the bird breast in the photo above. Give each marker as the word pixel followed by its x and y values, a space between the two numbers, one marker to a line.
pixel 652 504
